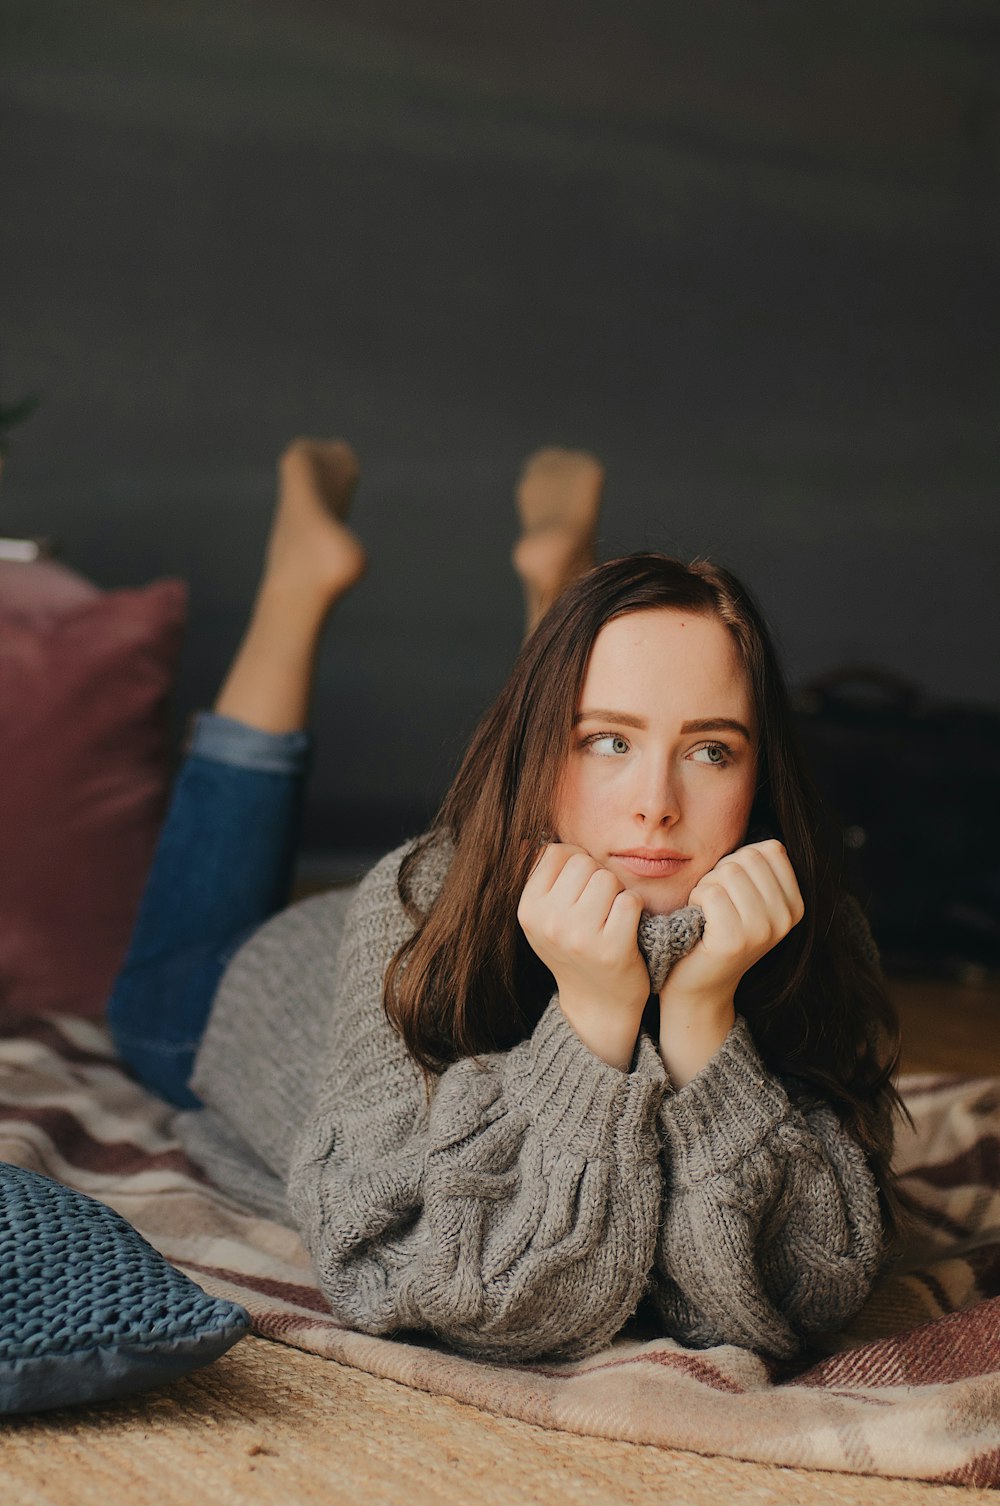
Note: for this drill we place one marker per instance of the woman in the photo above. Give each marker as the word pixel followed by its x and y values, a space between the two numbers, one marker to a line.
pixel 582 1043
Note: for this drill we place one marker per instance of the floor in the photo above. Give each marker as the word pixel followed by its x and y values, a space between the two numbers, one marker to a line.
pixel 267 1423
pixel 949 1027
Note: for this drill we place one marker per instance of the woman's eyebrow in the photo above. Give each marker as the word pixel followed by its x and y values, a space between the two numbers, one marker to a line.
pixel 628 719
pixel 624 718
pixel 717 724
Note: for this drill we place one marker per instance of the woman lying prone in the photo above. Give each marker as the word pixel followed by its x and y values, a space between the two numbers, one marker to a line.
pixel 609 1031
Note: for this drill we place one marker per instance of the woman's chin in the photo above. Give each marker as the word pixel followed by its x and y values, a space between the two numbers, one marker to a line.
pixel 661 899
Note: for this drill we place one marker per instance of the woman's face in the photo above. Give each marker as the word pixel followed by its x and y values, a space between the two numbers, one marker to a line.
pixel 662 768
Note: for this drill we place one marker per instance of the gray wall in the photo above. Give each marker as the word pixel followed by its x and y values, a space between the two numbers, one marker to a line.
pixel 746 253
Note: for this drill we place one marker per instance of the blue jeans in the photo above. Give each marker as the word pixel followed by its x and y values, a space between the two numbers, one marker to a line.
pixel 223 865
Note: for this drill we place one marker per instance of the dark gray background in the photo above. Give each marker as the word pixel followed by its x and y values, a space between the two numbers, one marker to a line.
pixel 747 253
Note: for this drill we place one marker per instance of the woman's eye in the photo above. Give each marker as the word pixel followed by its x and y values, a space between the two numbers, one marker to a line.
pixel 608 744
pixel 716 754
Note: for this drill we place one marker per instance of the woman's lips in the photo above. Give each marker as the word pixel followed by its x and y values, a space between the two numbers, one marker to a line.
pixel 650 865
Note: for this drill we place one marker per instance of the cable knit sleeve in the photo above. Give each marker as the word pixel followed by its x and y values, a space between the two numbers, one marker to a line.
pixel 771 1228
pixel 513 1209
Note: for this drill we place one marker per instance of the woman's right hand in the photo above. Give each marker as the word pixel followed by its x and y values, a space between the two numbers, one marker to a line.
pixel 583 923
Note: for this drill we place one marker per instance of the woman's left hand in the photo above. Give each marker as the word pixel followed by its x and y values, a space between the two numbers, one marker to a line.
pixel 751 900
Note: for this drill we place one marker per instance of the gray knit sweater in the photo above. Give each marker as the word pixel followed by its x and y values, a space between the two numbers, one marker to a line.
pixel 527 1204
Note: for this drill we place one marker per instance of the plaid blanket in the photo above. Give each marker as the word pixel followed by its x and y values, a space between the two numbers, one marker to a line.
pixel 912 1390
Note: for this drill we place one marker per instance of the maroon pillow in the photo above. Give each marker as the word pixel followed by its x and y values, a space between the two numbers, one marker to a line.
pixel 84 680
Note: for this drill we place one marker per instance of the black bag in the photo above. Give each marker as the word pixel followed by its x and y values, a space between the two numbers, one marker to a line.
pixel 917 787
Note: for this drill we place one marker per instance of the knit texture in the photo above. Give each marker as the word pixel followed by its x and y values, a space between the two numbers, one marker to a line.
pixel 88 1308
pixel 525 1204
pixel 664 939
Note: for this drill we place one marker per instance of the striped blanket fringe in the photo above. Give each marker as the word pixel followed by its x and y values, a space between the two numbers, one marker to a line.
pixel 912 1390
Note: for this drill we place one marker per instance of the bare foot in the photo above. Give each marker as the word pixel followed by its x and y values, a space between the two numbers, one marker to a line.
pixel 312 558
pixel 558 502
pixel 310 548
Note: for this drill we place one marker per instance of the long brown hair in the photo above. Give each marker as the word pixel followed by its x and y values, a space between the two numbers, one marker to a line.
pixel 467 982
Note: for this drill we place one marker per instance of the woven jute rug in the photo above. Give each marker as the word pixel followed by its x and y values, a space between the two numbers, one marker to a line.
pixel 269 1424
pixel 912 1391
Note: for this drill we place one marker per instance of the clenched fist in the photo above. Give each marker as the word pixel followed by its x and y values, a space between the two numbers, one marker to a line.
pixel 751 900
pixel 582 922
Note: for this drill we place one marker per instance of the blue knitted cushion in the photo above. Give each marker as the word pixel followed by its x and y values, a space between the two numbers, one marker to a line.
pixel 88 1309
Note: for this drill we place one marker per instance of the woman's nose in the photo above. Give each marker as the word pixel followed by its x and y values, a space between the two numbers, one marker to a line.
pixel 657 802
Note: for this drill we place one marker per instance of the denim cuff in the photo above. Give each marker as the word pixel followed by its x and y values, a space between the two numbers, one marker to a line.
pixel 225 740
